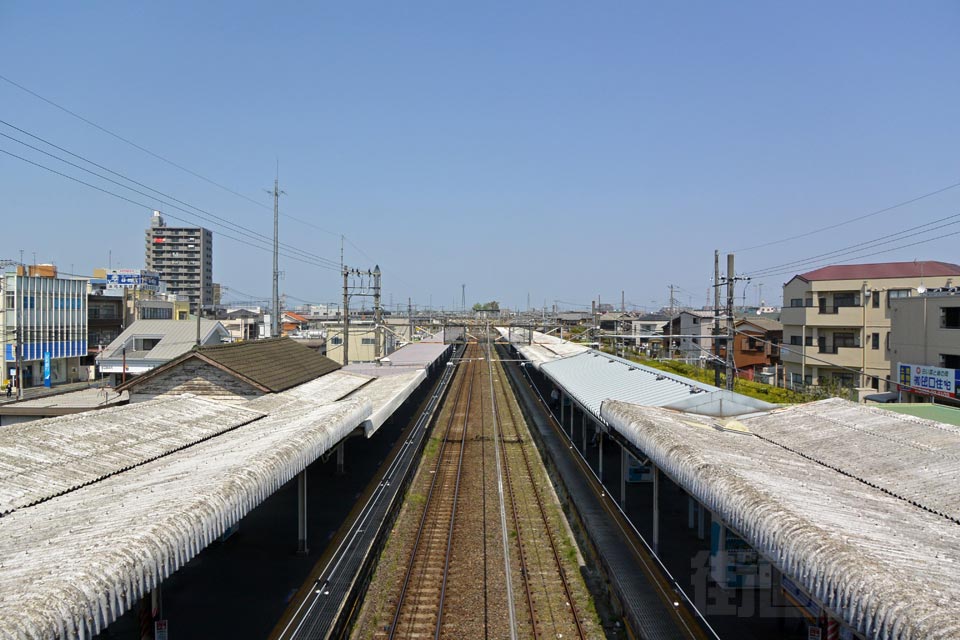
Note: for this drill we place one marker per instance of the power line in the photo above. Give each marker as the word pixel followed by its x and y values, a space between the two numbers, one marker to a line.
pixel 857 248
pixel 162 158
pixel 150 207
pixel 207 215
pixel 851 220
pixel 867 255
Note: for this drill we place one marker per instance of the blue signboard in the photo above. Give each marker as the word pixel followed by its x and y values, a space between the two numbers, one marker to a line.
pixel 46 369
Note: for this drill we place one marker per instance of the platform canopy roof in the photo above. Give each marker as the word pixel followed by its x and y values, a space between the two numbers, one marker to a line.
pixel 72 564
pixel 538 347
pixel 858 505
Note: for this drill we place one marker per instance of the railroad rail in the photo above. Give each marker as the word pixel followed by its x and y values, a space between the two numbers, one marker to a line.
pixel 553 612
pixel 420 604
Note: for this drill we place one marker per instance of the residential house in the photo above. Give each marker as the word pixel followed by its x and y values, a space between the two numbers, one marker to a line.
pixel 689 335
pixel 756 348
pixel 147 344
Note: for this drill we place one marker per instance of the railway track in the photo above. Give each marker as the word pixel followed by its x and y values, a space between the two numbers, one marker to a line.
pixel 481 550
pixel 419 610
pixel 551 606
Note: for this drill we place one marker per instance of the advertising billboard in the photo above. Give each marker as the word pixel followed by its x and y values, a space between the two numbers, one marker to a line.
pixel 133 278
pixel 927 380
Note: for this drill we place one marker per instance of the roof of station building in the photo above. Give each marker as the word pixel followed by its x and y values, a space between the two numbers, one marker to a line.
pixel 540 347
pixel 176 338
pixel 856 504
pixel 273 365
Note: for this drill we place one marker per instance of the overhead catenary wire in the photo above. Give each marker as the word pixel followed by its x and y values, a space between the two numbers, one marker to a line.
pixel 150 208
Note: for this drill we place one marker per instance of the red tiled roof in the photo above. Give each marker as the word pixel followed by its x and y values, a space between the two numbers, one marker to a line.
pixel 882 270
pixel 295 317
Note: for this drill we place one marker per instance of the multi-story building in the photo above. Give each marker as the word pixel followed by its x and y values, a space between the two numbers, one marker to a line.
pixel 836 320
pixel 756 347
pixel 924 346
pixel 47 317
pixel 689 335
pixel 183 256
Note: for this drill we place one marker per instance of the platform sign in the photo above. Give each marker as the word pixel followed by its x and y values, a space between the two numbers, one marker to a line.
pixel 46 369
pixel 926 380
pixel 160 630
pixel 813 633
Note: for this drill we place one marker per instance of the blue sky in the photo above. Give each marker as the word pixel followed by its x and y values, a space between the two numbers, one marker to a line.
pixel 553 149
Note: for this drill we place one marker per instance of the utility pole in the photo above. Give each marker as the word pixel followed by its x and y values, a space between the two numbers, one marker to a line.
pixel 275 320
pixel 346 318
pixel 731 277
pixel 410 318
pixel 463 297
pixel 716 317
pixel 377 313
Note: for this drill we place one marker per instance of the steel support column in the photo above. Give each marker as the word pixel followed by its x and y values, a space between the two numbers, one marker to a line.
pixel 583 432
pixel 302 513
pixel 623 477
pixel 700 527
pixel 600 446
pixel 656 508
pixel 340 458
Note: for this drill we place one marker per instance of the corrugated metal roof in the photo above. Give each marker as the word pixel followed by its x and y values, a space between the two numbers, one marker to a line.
pixel 542 347
pixel 44 458
pixel 593 377
pixel 915 459
pixel 419 353
pixel 886 565
pixel 73 564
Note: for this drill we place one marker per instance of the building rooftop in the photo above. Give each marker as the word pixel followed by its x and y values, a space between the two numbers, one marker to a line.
pixel 767 324
pixel 881 270
pixel 175 338
pixel 856 504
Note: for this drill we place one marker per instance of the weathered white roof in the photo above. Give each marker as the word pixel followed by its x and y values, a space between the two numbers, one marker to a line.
pixel 542 347
pixel 416 355
pixel 815 488
pixel 385 395
pixel 72 564
pixel 323 390
pixel 44 458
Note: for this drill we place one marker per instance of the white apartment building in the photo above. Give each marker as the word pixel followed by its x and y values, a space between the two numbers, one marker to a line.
pixel 837 319
pixel 51 316
pixel 183 256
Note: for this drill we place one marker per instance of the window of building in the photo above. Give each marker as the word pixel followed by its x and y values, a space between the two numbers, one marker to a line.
pixel 845 340
pixel 875 340
pixel 950 317
pixel 888 384
pixel 336 340
pixel 808 379
pixel 695 341
pixel 796 302
pixel 11 300
pixel 809 341
pixel 949 361
pixel 895 294
pixel 887 341
pixel 843 379
pixel 875 299
pixel 696 320
pixel 875 383
pixel 796 378
pixel 367 341
pixel 846 299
